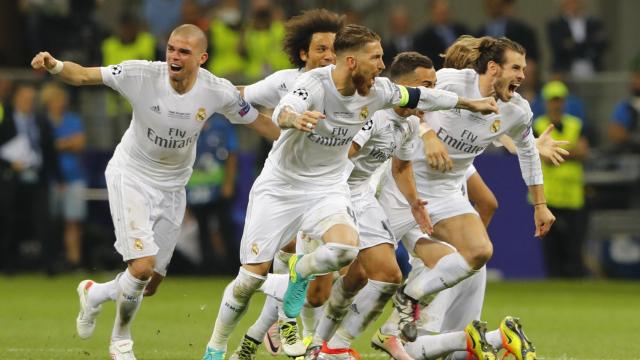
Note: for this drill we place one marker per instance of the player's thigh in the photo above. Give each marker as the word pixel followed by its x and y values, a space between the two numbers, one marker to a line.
pixel 431 250
pixel 379 263
pixel 373 226
pixel 132 206
pixel 331 217
pixel 465 232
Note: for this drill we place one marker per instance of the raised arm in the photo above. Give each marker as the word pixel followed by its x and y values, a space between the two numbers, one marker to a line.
pixel 69 72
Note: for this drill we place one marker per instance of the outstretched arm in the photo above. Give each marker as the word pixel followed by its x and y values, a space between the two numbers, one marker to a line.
pixel 69 72
pixel 265 127
pixel 403 174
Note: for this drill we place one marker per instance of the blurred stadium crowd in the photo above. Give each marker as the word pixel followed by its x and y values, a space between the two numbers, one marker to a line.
pixel 55 140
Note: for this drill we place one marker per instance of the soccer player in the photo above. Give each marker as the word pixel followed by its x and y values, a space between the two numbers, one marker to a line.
pixel 302 186
pixel 389 133
pixel 499 70
pixel 309 44
pixel 151 165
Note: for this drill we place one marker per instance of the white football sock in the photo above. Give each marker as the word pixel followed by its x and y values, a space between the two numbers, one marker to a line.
pixel 128 300
pixel 390 327
pixel 281 262
pixel 449 270
pixel 334 310
pixel 268 317
pixel 325 259
pixel 234 304
pixel 310 317
pixel 366 308
pixel 435 346
pixel 494 338
pixel 102 292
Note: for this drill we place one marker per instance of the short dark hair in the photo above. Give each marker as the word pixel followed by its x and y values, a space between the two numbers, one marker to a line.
pixel 353 37
pixel 492 49
pixel 300 29
pixel 406 62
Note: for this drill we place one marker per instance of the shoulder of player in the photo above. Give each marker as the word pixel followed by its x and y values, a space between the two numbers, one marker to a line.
pixel 518 106
pixel 455 74
pixel 214 83
pixel 139 68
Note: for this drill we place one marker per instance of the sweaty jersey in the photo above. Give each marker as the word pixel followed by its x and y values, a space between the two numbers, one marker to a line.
pixel 386 134
pixel 268 91
pixel 160 144
pixel 319 157
pixel 466 135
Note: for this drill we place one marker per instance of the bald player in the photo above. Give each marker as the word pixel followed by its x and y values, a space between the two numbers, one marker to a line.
pixel 150 167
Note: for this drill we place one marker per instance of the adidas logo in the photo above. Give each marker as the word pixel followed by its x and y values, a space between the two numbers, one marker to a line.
pixel 283 86
pixel 155 109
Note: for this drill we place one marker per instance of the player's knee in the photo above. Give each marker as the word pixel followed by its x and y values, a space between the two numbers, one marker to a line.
pixel 142 269
pixel 480 255
pixel 246 283
pixel 341 254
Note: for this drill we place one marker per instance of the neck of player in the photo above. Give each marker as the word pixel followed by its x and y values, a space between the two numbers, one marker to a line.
pixel 485 85
pixel 183 86
pixel 343 81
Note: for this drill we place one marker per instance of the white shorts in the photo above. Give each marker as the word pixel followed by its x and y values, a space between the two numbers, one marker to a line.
pixel 146 220
pixel 372 221
pixel 401 220
pixel 278 208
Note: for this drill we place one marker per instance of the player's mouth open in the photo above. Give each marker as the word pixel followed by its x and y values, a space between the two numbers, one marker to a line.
pixel 513 88
pixel 175 67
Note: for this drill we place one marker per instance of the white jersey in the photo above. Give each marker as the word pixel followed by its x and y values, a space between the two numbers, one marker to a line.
pixel 268 91
pixel 466 135
pixel 386 134
pixel 319 157
pixel 159 146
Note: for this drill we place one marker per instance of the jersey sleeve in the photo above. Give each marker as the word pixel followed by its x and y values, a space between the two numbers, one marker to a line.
pixel 307 94
pixel 406 150
pixel 127 78
pixel 235 107
pixel 366 132
pixel 421 97
pixel 264 92
pixel 525 143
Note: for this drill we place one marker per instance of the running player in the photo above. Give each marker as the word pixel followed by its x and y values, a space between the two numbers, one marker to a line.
pixel 309 43
pixel 302 186
pixel 146 176
pixel 500 67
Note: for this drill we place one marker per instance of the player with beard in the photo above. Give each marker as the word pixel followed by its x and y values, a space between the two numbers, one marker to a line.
pixel 309 43
pixel 150 167
pixel 302 186
pixel 498 70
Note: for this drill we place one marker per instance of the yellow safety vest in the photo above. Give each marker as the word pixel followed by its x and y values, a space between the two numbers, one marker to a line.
pixel 264 51
pixel 225 56
pixel 564 184
pixel 115 52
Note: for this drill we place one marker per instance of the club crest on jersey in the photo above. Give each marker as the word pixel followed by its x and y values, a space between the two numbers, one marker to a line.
pixel 364 113
pixel 201 114
pixel 495 126
pixel 137 244
pixel 254 249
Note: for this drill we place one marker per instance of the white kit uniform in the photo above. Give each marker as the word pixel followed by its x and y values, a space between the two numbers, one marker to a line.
pixel 268 91
pixel 386 134
pixel 302 186
pixel 153 162
pixel 465 135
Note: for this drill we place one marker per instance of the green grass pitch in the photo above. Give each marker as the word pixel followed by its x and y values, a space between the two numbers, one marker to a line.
pixel 566 320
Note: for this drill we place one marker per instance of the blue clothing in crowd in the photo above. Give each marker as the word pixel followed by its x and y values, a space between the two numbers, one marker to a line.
pixel 216 142
pixel 71 165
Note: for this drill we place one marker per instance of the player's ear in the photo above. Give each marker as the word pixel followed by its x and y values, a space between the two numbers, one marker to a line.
pixel 203 58
pixel 303 55
pixel 352 62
